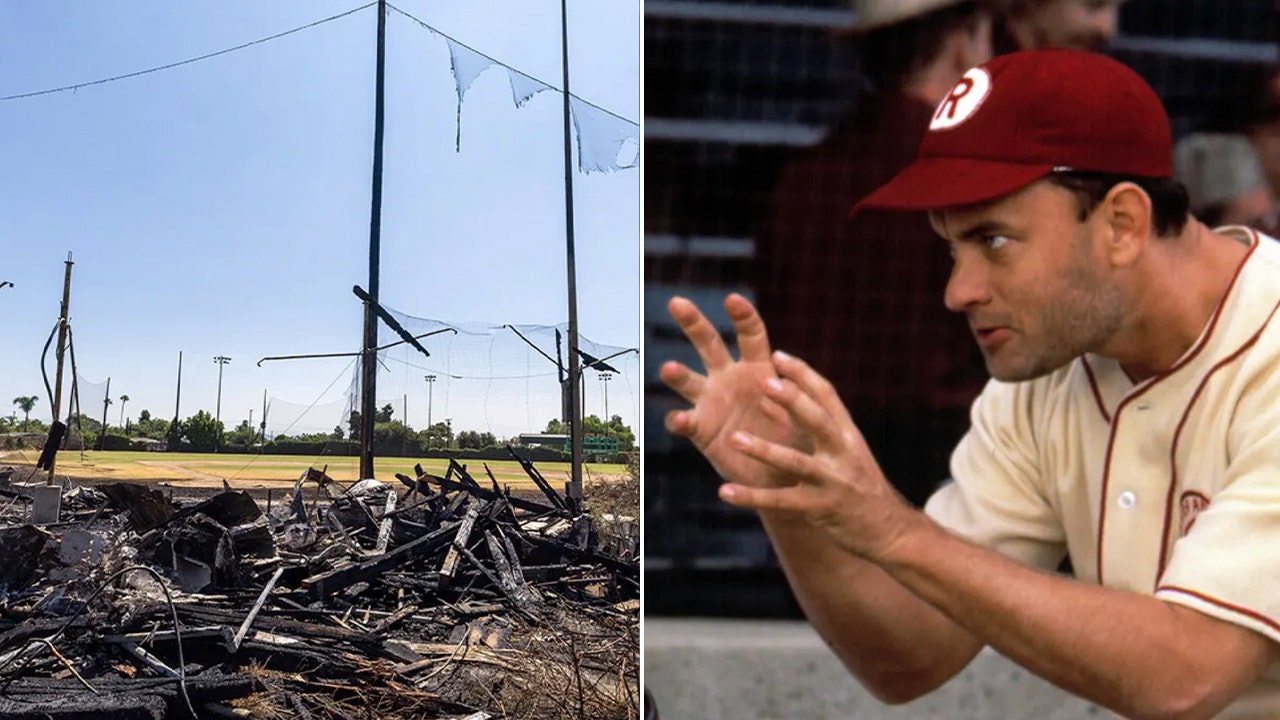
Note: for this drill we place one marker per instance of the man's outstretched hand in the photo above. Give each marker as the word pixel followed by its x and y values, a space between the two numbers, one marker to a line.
pixel 730 397
pixel 778 434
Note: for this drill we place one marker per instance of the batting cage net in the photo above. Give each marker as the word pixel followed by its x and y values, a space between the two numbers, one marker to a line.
pixel 750 107
pixel 471 385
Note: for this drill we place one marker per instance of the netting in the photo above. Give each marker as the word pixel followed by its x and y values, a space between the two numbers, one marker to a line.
pixel 492 378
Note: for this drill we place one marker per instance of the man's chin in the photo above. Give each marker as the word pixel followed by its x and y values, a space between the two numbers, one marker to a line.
pixel 1013 372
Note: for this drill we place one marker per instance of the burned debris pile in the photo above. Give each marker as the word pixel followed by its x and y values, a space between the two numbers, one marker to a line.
pixel 440 597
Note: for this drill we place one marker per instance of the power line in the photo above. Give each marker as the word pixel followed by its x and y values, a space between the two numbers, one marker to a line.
pixel 188 61
pixel 496 61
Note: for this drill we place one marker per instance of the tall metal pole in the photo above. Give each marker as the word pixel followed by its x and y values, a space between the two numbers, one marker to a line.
pixel 217 438
pixel 106 400
pixel 369 365
pixel 431 385
pixel 62 345
pixel 604 380
pixel 177 409
pixel 575 424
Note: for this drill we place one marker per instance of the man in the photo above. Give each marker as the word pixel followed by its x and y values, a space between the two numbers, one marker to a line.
pixel 1132 421
pixel 1224 180
pixel 1071 24
pixel 867 320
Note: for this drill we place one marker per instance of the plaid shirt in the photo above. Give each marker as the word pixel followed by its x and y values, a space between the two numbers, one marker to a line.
pixel 862 301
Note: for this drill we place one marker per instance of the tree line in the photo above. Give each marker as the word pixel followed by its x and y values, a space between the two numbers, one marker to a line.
pixel 201 432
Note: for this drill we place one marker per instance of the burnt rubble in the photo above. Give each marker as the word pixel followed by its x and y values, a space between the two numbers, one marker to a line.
pixel 437 597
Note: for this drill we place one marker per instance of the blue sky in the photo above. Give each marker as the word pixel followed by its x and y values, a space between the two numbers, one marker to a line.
pixel 222 207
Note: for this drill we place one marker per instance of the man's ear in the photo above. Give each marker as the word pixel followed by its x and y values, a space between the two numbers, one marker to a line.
pixel 1126 212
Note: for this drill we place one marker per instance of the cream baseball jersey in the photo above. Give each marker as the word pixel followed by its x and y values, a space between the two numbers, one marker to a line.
pixel 1170 486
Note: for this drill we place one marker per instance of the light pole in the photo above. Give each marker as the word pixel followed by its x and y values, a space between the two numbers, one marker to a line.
pixel 604 380
pixel 217 439
pixel 431 384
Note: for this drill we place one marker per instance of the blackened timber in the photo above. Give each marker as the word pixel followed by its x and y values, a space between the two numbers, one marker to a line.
pixel 624 568
pixel 485 494
pixel 450 565
pixel 257 606
pixel 461 471
pixel 509 578
pixel 326 584
pixel 540 481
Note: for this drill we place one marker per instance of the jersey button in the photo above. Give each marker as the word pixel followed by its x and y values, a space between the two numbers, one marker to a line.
pixel 1127 499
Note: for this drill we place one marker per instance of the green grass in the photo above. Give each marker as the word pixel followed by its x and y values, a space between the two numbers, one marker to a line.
pixel 210 469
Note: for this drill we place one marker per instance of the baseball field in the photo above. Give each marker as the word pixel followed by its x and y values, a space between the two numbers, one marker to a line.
pixel 240 471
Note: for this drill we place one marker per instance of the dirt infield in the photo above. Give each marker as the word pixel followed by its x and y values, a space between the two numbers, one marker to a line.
pixel 247 471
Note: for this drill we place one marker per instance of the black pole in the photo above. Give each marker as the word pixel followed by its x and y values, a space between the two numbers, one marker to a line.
pixel 106 400
pixel 62 346
pixel 575 391
pixel 369 365
pixel 217 418
pixel 177 408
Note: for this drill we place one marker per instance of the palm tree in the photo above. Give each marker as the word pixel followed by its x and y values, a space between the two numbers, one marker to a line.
pixel 123 400
pixel 25 403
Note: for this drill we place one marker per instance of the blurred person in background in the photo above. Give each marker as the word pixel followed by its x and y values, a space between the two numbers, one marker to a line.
pixel 860 300
pixel 1071 24
pixel 1262 127
pixel 1224 180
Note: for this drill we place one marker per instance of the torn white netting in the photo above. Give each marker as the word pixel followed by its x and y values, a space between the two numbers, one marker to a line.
pixel 524 87
pixel 606 142
pixel 467 64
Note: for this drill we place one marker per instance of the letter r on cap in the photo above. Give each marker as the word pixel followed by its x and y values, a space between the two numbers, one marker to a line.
pixel 952 101
pixel 963 100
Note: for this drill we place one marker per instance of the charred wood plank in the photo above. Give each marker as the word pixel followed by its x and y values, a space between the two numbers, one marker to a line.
pixel 450 565
pixel 461 471
pixel 257 607
pixel 557 501
pixel 486 494
pixel 326 584
pixel 510 579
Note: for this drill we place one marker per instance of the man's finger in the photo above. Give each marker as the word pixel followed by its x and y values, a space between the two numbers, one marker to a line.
pixel 804 410
pixel 704 336
pixel 684 381
pixel 798 465
pixel 681 422
pixel 813 384
pixel 796 498
pixel 753 339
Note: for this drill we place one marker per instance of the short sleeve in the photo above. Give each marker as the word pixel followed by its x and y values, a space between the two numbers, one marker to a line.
pixel 996 497
pixel 1227 566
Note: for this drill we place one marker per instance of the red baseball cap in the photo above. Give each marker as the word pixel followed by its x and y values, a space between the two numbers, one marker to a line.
pixel 1024 115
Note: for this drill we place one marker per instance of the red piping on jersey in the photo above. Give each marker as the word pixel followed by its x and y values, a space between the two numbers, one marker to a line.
pixel 1251 614
pixel 1177 435
pixel 1097 394
pixel 1151 382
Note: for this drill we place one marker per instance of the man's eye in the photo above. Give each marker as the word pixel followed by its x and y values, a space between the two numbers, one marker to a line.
pixel 995 242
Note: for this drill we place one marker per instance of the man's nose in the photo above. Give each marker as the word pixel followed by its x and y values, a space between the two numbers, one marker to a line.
pixel 968 285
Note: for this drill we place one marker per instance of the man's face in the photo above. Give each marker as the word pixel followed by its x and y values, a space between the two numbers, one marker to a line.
pixel 1030 280
pixel 1074 24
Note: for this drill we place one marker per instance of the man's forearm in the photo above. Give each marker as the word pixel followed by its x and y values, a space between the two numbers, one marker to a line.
pixel 898 645
pixel 1132 653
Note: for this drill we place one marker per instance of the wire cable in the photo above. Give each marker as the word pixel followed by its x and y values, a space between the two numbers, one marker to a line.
pixel 177 631
pixel 188 61
pixel 492 59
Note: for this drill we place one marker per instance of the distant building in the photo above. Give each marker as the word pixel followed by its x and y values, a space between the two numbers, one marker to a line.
pixel 149 444
pixel 591 444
